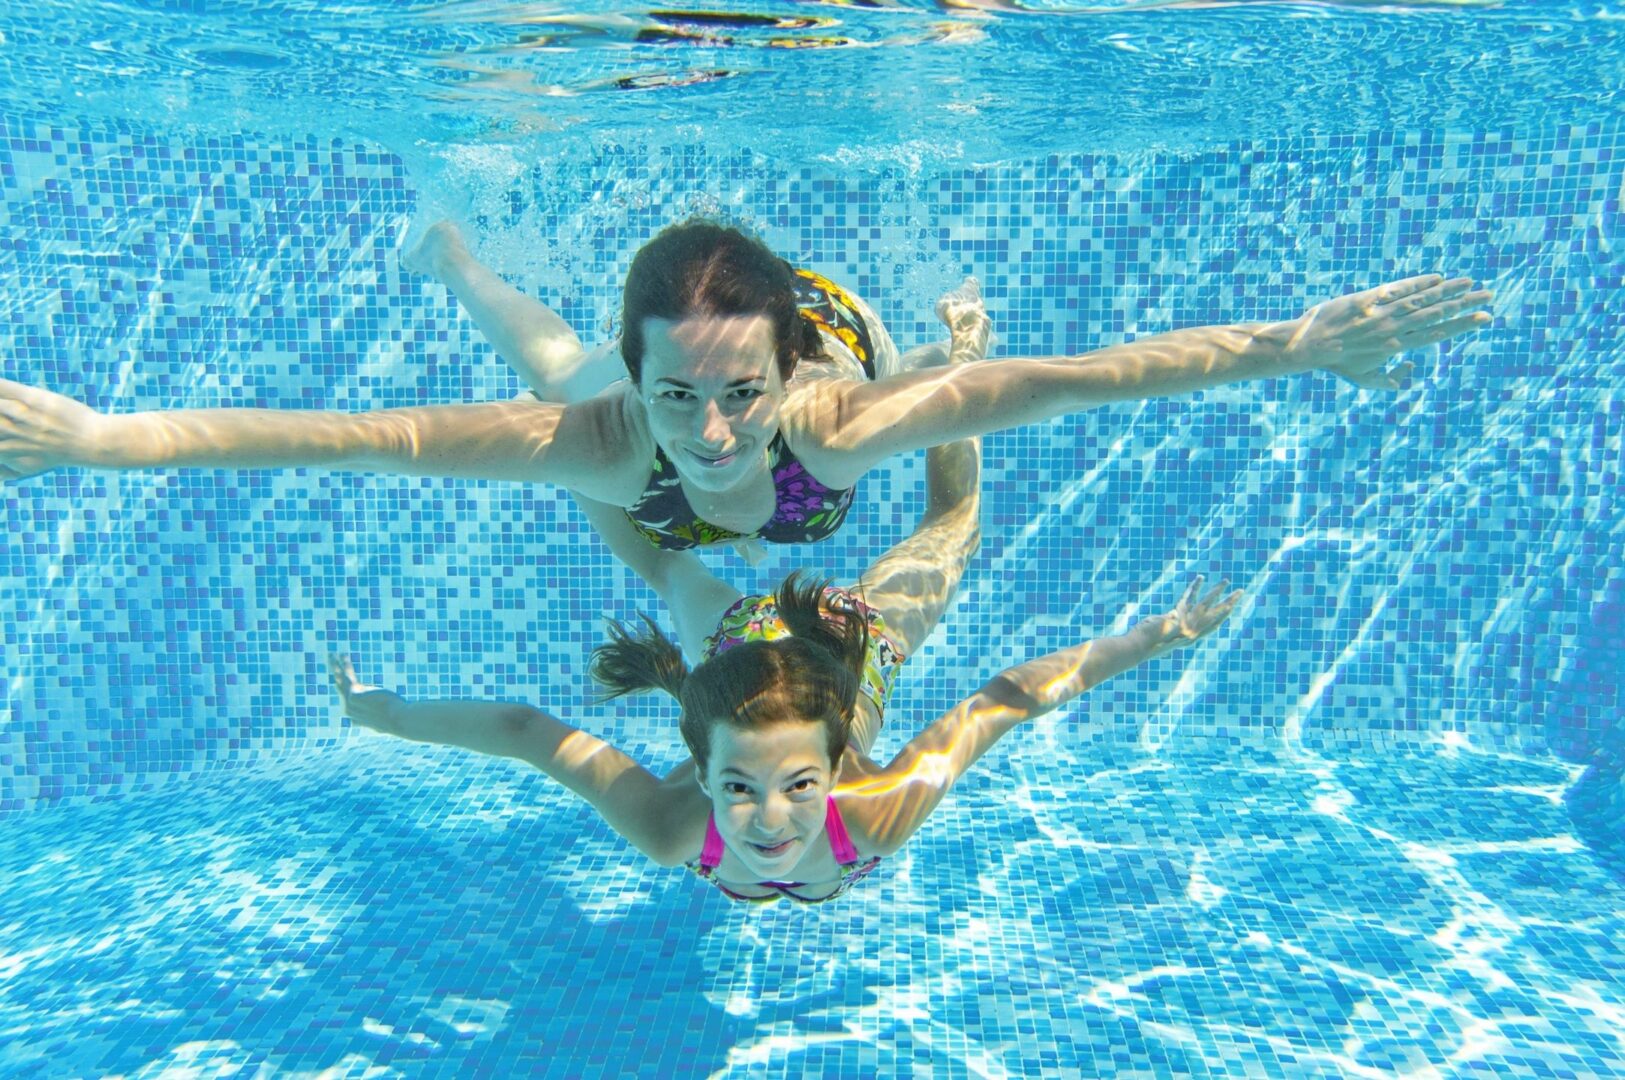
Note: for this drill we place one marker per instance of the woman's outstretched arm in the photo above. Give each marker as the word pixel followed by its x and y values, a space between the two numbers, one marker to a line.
pixel 628 797
pixel 842 429
pixel 576 446
pixel 907 790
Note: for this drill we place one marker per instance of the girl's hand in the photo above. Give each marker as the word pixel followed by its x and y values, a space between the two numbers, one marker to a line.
pixel 1355 336
pixel 1193 618
pixel 40 431
pixel 370 706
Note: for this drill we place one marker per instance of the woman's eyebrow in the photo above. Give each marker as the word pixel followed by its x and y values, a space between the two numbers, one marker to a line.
pixel 689 386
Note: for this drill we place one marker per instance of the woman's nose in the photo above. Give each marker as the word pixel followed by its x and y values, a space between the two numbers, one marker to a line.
pixel 714 427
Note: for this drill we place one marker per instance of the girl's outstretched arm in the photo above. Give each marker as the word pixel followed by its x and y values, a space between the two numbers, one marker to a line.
pixel 909 788
pixel 628 797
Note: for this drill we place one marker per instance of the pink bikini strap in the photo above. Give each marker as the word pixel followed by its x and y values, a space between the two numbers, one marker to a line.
pixel 839 842
pixel 711 854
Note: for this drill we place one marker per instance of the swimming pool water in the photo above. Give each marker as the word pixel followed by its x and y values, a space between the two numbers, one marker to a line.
pixel 1373 827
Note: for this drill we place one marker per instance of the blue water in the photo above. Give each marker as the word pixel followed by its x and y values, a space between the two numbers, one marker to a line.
pixel 1374 827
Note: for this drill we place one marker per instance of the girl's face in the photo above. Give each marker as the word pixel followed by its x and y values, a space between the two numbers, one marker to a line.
pixel 713 393
pixel 768 788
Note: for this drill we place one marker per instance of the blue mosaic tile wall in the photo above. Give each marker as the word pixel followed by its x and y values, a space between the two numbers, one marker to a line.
pixel 1441 561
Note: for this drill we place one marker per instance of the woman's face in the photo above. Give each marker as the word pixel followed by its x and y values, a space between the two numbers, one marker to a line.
pixel 713 393
pixel 768 787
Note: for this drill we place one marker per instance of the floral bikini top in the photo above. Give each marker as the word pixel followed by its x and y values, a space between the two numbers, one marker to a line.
pixel 853 868
pixel 804 510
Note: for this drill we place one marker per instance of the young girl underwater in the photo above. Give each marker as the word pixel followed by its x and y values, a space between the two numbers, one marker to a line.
pixel 780 798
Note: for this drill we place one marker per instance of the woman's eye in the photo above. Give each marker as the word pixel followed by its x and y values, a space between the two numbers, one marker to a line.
pixel 675 395
pixel 748 393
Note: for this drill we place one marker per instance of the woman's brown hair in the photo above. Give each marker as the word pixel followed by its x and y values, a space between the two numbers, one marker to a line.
pixel 698 267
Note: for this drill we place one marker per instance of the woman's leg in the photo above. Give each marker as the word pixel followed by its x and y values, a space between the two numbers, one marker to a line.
pixel 529 335
pixel 911 584
pixel 962 306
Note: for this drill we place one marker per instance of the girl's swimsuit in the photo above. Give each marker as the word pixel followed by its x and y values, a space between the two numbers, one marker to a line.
pixel 853 869
pixel 804 510
pixel 756 618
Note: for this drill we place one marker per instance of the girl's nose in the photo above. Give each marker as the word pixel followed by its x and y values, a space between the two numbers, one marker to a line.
pixel 771 814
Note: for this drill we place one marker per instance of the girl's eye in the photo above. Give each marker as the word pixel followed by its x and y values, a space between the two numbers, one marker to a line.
pixel 804 785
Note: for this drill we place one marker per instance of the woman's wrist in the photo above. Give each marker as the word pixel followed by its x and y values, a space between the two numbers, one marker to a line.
pixel 110 442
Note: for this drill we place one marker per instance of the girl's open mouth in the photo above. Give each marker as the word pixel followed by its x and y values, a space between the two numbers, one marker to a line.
pixel 777 849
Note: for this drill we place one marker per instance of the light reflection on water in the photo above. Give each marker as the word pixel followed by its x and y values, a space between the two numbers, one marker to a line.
pixel 388 904
pixel 985 79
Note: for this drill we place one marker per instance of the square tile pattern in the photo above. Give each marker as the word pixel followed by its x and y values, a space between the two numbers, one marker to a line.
pixel 1331 840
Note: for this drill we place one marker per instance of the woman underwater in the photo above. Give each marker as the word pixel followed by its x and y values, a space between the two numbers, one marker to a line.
pixel 756 396
pixel 780 798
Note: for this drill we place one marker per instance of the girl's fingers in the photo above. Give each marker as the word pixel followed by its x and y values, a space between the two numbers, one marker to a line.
pixel 1190 591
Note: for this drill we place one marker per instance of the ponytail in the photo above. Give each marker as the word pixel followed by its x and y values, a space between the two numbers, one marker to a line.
pixel 811 674
pixel 844 634
pixel 631 662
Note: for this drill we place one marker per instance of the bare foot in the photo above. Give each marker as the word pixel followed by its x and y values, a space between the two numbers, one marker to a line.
pixel 427 254
pixel 369 706
pixel 962 311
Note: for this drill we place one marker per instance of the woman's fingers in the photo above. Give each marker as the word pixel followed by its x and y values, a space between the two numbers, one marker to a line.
pixel 1406 287
pixel 1441 309
pixel 1436 332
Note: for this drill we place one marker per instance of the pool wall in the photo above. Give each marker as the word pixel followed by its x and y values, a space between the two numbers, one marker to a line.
pixel 1441 564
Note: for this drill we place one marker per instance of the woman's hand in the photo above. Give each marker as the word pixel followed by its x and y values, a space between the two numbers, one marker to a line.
pixel 1355 336
pixel 1193 618
pixel 40 431
pixel 370 706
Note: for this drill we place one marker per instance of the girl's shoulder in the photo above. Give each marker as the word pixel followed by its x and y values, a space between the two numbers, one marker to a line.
pixel 864 800
pixel 685 809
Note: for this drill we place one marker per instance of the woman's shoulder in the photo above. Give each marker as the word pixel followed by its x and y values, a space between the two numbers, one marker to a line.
pixel 810 422
pixel 611 429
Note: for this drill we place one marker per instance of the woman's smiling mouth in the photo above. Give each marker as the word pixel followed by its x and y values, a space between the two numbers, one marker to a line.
pixel 710 461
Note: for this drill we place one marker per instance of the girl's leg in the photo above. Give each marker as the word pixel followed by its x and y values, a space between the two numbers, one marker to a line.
pixel 532 338
pixel 911 584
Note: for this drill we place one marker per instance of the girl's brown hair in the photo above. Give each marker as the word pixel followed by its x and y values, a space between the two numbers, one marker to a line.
pixel 698 267
pixel 811 675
